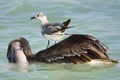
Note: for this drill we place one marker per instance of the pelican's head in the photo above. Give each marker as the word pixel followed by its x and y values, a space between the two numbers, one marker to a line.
pixel 42 17
pixel 18 51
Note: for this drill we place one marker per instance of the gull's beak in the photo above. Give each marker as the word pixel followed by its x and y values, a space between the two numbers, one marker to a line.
pixel 33 17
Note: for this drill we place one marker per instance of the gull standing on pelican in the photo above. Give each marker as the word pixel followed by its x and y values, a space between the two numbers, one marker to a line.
pixel 52 31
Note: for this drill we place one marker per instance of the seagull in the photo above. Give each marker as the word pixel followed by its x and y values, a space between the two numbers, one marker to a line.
pixel 52 31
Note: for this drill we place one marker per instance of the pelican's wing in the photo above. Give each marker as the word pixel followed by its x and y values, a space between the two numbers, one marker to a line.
pixel 74 49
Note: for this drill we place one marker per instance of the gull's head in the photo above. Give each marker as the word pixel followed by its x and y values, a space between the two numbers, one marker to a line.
pixel 41 16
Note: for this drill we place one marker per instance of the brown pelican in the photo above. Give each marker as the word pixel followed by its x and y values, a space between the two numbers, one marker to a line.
pixel 74 49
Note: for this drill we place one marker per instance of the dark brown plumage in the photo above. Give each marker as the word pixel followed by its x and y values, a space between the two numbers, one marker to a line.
pixel 74 49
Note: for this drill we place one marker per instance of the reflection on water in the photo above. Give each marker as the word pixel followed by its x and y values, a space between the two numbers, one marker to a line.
pixel 62 71
pixel 85 67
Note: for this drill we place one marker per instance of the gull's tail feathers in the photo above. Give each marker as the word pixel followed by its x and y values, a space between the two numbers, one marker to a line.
pixel 63 29
pixel 66 23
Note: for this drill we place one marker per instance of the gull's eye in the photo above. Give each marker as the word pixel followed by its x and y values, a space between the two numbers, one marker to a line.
pixel 37 15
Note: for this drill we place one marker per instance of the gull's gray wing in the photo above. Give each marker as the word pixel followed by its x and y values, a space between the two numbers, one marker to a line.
pixel 50 28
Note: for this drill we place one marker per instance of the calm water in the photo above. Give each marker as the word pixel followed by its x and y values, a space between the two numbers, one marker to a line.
pixel 100 18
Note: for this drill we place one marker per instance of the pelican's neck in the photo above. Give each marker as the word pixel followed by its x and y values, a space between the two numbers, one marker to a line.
pixel 18 53
pixel 20 57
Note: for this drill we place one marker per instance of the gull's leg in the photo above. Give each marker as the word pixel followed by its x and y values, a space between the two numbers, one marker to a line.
pixel 48 43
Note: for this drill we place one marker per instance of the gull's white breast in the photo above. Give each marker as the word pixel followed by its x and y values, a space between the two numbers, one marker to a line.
pixel 55 36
